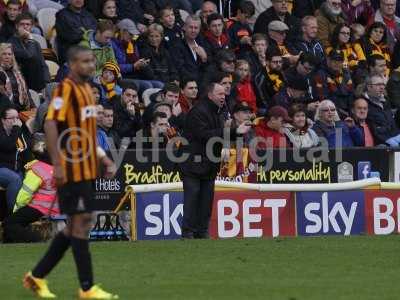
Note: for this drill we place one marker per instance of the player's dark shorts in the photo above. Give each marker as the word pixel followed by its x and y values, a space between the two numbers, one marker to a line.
pixel 76 197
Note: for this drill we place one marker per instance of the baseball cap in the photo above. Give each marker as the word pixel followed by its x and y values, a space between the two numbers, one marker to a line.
pixel 336 55
pixel 128 25
pixel 278 111
pixel 277 26
pixel 241 107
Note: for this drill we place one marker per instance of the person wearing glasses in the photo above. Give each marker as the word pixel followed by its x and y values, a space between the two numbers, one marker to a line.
pixel 334 132
pixel 328 16
pixel 14 152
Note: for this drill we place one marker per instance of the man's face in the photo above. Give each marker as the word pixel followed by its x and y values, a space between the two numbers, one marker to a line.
pixel 311 29
pixel 24 25
pixel 84 65
pixel 216 27
pixel 335 65
pixel 160 126
pixel 304 69
pixel 377 87
pixel 207 9
pixel 217 95
pixel 242 116
pixel 276 63
pixel 190 91
pixel 129 97
pixel 360 109
pixel 280 6
pixel 228 66
pixel 388 7
pixel 168 18
pixel 260 47
pixel 227 84
pixel 165 109
pixel 77 4
pixel 100 113
pixel 276 123
pixel 192 29
pixel 379 68
pixel 278 36
pixel 108 118
pixel 105 37
pixel 335 5
pixel 171 97
pixel 13 11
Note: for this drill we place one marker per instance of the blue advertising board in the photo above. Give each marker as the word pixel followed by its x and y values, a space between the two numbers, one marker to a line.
pixel 159 215
pixel 330 213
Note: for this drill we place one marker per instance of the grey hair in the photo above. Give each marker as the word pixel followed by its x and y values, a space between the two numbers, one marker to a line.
pixel 324 104
pixel 192 18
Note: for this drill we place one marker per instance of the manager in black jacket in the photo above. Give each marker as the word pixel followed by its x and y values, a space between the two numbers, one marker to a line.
pixel 204 124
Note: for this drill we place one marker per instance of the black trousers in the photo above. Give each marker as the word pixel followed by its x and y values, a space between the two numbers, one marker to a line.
pixel 17 229
pixel 198 197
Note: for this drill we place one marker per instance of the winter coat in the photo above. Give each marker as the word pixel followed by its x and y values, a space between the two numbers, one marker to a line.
pixel 301 138
pixel 326 23
pixel 350 136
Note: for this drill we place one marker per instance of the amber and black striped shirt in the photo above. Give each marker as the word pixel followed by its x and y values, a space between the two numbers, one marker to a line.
pixel 73 107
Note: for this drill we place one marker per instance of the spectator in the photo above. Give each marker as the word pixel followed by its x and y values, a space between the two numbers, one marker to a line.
pixel 277 12
pixel 188 95
pixel 380 115
pixel 340 39
pixel 164 107
pixel 109 82
pixel 277 37
pixel 375 42
pixel 225 79
pixel 28 54
pixel 156 132
pixel 243 86
pixel 386 14
pixel 36 199
pixel 304 69
pixel 216 37
pixel 16 89
pixel 97 92
pixel 4 100
pixel 8 27
pixel 127 113
pixel 329 15
pixel 14 145
pixel 160 65
pixel 239 30
pixel 274 79
pixel 334 82
pixel 107 123
pixel 243 114
pixel 4 3
pixel 360 113
pixel 270 129
pixel 256 55
pixel 41 111
pixel 190 56
pixel 357 32
pixel 208 8
pixel 393 89
pixel 99 42
pixel 307 41
pixel 293 92
pixel 336 133
pixel 298 131
pixel 128 9
pixel 108 11
pixel 172 31
pixel 358 11
pixel 101 136
pixel 376 65
pixel 223 62
pixel 71 24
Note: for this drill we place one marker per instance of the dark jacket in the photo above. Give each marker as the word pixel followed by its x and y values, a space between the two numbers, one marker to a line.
pixel 314 47
pixel 70 27
pixel 130 9
pixel 236 31
pixel 214 45
pixel 203 122
pixel 304 8
pixel 380 117
pixel 7 29
pixel 121 57
pixel 10 156
pixel 184 61
pixel 161 66
pixel 125 124
pixel 393 89
pixel 261 25
pixel 351 137
pixel 28 54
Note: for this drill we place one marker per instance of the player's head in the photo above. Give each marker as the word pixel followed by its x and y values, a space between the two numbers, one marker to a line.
pixel 82 62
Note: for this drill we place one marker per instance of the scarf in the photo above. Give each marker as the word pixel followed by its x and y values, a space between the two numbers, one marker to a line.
pixel 23 99
pixel 131 55
pixel 109 89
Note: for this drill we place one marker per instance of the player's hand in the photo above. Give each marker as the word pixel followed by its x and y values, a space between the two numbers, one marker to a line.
pixel 109 167
pixel 58 175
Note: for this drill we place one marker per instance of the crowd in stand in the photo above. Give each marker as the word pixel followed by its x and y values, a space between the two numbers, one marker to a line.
pixel 301 70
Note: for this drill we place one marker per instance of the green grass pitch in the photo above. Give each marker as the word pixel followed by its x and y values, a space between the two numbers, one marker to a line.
pixel 320 268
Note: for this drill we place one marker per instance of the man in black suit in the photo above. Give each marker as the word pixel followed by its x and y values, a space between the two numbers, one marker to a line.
pixel 204 123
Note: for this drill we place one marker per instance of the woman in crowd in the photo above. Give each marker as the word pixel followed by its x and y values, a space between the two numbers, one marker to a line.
pixel 158 60
pixel 340 40
pixel 108 11
pixel 298 131
pixel 16 88
pixel 375 42
pixel 334 132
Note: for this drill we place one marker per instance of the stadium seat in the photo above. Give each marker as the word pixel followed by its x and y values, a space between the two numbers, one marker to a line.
pixel 146 95
pixel 47 19
pixel 53 68
pixel 35 97
pixel 184 14
pixel 41 40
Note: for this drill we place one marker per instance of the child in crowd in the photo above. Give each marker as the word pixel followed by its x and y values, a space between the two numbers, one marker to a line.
pixel 172 31
pixel 109 81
